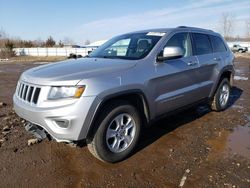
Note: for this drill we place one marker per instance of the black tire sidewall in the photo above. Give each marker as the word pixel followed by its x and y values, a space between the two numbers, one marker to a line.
pixel 100 136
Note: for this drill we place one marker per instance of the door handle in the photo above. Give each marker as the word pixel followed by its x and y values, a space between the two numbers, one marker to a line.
pixel 217 59
pixel 191 63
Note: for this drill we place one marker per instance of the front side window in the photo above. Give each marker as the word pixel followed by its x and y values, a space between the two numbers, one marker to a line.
pixel 182 41
pixel 130 46
pixel 218 44
pixel 202 44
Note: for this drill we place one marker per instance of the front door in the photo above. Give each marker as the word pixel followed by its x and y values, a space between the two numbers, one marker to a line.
pixel 175 82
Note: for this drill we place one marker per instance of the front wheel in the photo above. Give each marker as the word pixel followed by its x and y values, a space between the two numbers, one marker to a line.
pixel 117 134
pixel 221 96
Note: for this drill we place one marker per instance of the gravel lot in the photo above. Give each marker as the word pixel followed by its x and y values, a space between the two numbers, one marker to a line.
pixel 197 147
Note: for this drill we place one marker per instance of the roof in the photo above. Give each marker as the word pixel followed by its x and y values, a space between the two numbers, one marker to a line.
pixel 172 29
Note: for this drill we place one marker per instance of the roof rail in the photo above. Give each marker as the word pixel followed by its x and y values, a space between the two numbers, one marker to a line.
pixel 194 28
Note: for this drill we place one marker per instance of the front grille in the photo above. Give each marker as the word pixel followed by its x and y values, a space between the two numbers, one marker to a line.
pixel 28 93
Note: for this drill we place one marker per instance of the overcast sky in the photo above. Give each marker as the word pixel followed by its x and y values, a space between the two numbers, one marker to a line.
pixel 97 20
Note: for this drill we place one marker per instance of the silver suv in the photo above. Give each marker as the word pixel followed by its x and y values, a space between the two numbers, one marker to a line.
pixel 108 97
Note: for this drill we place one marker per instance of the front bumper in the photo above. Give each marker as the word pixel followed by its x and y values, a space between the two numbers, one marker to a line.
pixel 77 114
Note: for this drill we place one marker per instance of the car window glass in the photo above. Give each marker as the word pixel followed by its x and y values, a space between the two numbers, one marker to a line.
pixel 129 46
pixel 119 48
pixel 218 44
pixel 202 44
pixel 182 41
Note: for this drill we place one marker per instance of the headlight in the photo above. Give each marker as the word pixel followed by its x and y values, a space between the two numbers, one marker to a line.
pixel 66 92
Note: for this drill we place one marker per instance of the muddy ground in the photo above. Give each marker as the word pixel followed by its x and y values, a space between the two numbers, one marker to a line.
pixel 210 149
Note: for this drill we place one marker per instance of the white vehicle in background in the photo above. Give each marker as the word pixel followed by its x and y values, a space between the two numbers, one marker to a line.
pixel 238 48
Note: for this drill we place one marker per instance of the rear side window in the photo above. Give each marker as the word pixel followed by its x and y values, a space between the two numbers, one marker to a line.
pixel 218 44
pixel 201 44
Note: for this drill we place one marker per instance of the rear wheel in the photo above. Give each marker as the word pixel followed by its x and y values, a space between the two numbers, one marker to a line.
pixel 118 133
pixel 221 96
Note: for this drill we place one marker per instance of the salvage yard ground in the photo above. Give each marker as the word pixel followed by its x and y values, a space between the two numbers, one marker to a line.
pixel 195 148
pixel 31 59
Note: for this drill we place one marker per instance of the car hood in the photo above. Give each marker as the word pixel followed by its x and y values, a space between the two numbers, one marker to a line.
pixel 70 72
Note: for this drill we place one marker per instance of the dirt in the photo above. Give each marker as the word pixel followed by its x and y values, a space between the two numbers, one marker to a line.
pixel 214 148
pixel 32 59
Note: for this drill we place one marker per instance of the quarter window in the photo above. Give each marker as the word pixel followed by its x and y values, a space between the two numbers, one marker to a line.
pixel 202 44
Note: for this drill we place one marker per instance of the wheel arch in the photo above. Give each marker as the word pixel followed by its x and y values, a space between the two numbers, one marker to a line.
pixel 226 72
pixel 135 97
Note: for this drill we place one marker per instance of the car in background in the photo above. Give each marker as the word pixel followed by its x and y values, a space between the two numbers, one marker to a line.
pixel 239 48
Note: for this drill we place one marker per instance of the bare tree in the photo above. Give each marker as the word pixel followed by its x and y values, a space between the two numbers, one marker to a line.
pixel 248 29
pixel 8 50
pixel 50 42
pixel 67 41
pixel 3 34
pixel 60 44
pixel 87 42
pixel 39 42
pixel 227 24
pixel 3 38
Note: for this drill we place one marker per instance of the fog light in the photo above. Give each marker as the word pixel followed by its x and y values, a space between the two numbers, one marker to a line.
pixel 62 123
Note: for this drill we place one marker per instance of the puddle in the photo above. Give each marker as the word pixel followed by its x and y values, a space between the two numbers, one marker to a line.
pixel 240 78
pixel 218 145
pixel 239 141
pixel 228 143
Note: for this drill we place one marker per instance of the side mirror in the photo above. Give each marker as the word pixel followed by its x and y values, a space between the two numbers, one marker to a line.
pixel 170 53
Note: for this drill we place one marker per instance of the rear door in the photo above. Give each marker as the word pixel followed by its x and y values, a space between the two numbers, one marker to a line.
pixel 175 82
pixel 207 63
pixel 219 48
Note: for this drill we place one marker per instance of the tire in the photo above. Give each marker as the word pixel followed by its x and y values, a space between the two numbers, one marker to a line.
pixel 221 97
pixel 240 51
pixel 113 141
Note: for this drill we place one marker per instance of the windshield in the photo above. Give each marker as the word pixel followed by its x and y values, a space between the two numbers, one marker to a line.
pixel 130 46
